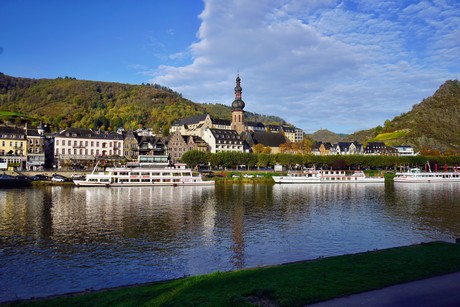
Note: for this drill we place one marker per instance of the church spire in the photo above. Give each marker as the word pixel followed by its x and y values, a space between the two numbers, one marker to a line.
pixel 238 103
pixel 237 108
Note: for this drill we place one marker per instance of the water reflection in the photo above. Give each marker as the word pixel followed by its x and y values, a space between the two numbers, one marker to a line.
pixel 62 239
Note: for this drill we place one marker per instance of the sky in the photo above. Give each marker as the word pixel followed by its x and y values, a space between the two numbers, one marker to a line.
pixel 344 65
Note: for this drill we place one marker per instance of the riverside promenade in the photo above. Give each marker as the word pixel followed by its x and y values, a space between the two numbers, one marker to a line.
pixel 440 291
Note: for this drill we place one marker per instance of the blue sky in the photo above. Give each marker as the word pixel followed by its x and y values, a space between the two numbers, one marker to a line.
pixel 339 65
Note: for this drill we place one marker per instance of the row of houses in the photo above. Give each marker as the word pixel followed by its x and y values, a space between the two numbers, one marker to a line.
pixel 355 148
pixel 35 149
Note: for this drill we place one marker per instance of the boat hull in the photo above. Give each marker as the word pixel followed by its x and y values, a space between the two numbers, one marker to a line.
pixel 83 183
pixel 425 177
pixel 280 179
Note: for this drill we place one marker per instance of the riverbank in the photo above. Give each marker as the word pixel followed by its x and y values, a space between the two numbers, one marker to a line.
pixel 293 284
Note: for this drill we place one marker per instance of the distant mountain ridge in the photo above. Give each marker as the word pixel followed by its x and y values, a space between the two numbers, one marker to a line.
pixel 67 102
pixel 324 135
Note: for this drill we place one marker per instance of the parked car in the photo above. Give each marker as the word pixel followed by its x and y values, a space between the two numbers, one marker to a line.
pixel 59 178
pixel 39 177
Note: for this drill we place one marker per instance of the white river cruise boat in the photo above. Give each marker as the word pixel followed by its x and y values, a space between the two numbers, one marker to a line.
pixel 327 176
pixel 139 176
pixel 414 175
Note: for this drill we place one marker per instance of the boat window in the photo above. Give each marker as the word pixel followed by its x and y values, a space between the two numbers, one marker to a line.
pixel 176 174
pixel 166 174
pixel 135 180
pixel 155 174
pixel 145 180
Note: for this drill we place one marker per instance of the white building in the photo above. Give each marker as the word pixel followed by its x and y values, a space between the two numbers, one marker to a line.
pixel 86 144
pixel 220 140
pixel 405 150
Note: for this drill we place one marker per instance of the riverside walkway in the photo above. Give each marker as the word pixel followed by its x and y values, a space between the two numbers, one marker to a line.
pixel 440 291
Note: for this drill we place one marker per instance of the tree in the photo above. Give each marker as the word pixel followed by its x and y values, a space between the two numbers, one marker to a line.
pixel 258 148
pixel 193 158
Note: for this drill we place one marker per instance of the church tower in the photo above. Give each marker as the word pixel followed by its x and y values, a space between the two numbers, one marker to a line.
pixel 237 108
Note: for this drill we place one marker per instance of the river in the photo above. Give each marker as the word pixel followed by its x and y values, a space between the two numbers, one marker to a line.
pixel 57 239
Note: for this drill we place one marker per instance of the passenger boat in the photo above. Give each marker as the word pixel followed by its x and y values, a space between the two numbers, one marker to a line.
pixel 140 176
pixel 326 176
pixel 414 175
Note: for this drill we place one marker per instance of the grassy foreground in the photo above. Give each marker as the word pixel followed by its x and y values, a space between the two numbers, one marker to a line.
pixel 292 284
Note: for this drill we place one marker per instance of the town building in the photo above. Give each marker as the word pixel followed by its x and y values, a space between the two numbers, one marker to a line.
pixel 349 148
pixel 267 139
pixel 223 140
pixel 405 150
pixel 79 147
pixel 289 133
pixel 13 146
pixel 193 125
pixel 179 144
pixel 36 143
pixel 131 145
pixel 322 148
pixel 151 147
pixel 379 148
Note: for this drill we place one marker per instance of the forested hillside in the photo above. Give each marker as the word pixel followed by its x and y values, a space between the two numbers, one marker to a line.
pixel 67 102
pixel 431 126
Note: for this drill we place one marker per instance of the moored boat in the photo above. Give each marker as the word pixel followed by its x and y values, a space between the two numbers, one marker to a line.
pixel 139 176
pixel 415 175
pixel 7 181
pixel 326 176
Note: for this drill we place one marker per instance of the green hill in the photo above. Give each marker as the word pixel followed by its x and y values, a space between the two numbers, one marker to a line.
pixel 325 135
pixel 433 124
pixel 67 102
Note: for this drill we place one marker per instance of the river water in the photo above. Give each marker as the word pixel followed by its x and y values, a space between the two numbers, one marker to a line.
pixel 56 240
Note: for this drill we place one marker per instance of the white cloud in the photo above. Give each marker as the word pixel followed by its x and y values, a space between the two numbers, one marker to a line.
pixel 344 66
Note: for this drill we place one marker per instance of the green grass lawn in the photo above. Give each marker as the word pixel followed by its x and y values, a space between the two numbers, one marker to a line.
pixel 292 284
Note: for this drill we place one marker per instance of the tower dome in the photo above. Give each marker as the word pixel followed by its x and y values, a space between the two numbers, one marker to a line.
pixel 238 104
